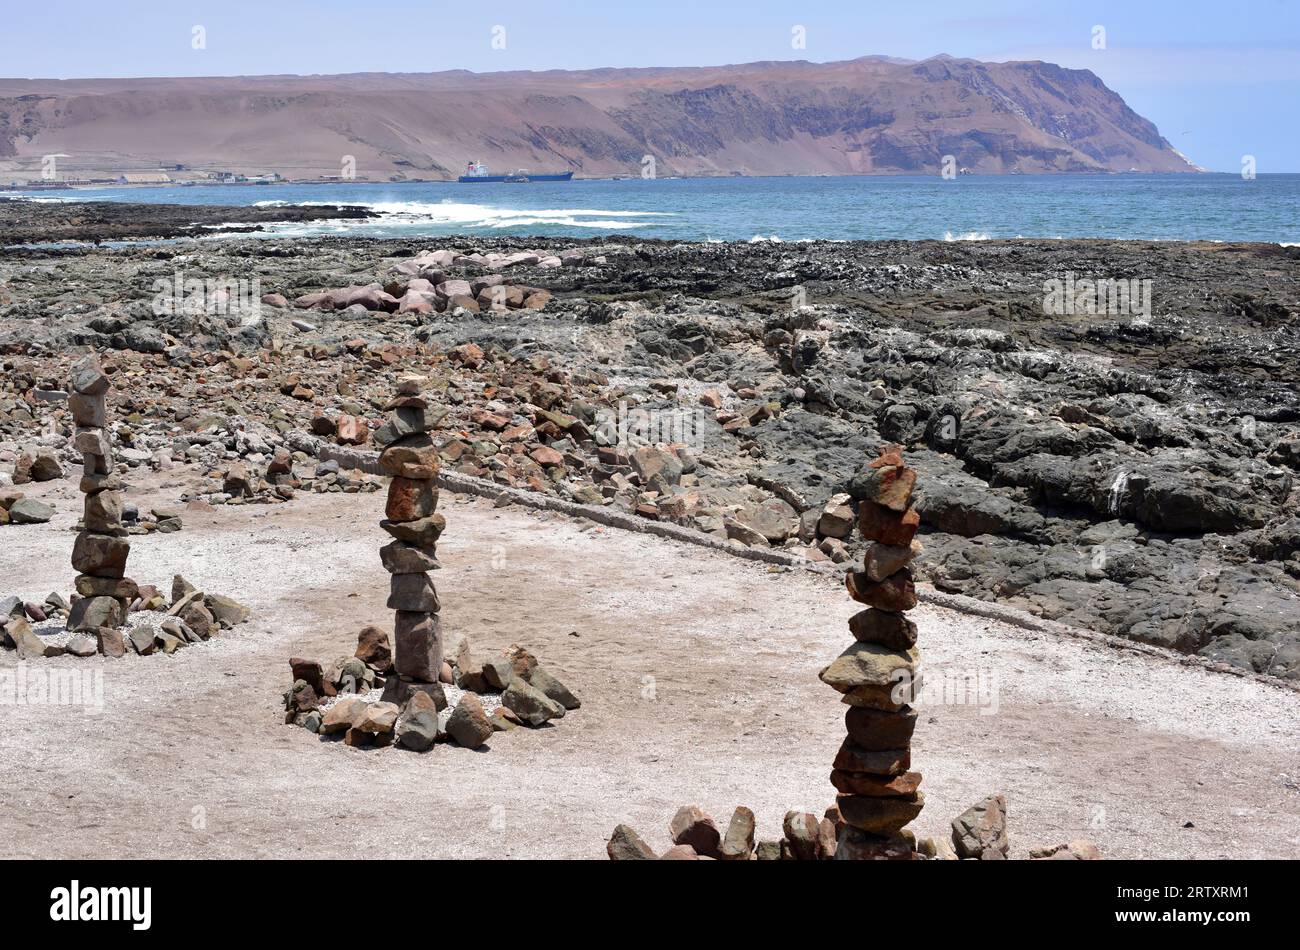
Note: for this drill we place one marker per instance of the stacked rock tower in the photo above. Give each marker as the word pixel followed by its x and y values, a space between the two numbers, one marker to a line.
pixel 878 674
pixel 411 518
pixel 101 549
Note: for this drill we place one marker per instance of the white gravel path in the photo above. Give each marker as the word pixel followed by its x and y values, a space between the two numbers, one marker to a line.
pixel 698 675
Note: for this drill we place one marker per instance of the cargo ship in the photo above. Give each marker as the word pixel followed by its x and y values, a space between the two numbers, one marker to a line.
pixel 478 172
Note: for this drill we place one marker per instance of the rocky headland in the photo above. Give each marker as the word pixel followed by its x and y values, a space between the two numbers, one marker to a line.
pixel 871 115
pixel 1128 473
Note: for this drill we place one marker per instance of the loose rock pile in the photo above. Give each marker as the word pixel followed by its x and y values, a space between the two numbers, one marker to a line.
pixel 421 285
pixel 150 623
pixel 978 834
pixel 877 675
pixel 101 549
pixel 696 836
pixel 17 509
pixel 39 464
pixel 425 261
pixel 359 697
pixel 237 483
pixel 424 296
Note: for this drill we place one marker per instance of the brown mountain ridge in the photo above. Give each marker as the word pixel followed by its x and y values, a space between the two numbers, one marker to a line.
pixel 865 116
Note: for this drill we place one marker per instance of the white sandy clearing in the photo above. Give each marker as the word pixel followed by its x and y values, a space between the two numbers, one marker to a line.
pixel 698 676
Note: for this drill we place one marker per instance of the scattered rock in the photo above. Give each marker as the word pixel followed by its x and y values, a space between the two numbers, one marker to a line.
pixel 468 723
pixel 738 844
pixel 342 716
pixel 692 827
pixel 980 831
pixel 1078 850
pixel 542 680
pixel 226 611
pixel 82 645
pixel 379 720
pixel 626 845
pixel 680 852
pixel 373 649
pixel 26 642
pixel 531 705
pixel 803 832
pixel 110 642
pixel 30 511
pixel 142 641
pixel 417 729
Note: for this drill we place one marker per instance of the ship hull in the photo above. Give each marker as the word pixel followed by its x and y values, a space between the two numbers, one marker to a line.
pixel 496 179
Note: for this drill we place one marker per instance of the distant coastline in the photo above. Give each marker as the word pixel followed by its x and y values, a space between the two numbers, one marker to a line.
pixel 868 116
pixel 40 185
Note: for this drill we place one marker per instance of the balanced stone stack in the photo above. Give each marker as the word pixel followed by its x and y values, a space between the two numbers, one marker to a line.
pixel 878 794
pixel 101 549
pixel 410 457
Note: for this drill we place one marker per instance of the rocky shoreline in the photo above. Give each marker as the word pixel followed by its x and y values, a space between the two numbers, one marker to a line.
pixel 96 221
pixel 1132 474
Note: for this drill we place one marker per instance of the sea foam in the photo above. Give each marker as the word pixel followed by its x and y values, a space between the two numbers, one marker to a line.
pixel 407 216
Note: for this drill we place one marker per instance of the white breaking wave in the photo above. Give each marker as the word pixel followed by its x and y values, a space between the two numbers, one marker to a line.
pixel 402 216
pixel 968 236
pixel 45 199
pixel 464 211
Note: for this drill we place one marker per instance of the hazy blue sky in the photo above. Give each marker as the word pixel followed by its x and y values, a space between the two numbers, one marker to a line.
pixel 1220 79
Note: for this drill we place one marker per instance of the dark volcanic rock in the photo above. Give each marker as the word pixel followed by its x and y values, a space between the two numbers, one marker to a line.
pixel 1133 475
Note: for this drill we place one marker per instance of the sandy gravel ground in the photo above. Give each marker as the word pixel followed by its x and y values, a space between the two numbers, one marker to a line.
pixel 698 675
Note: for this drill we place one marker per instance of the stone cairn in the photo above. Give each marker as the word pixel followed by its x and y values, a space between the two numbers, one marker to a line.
pixel 101 549
pixel 414 668
pixel 410 457
pixel 877 675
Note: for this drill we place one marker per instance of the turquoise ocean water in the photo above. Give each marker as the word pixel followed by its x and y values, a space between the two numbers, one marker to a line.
pixel 1162 207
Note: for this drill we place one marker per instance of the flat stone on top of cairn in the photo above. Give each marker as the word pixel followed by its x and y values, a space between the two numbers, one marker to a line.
pixel 100 551
pixel 877 675
pixel 411 459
